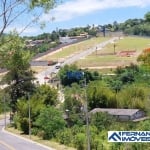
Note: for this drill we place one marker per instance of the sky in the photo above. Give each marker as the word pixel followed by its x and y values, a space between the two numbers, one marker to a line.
pixel 79 13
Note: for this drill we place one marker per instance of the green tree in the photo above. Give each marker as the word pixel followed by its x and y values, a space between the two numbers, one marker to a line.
pixel 147 16
pixel 47 95
pixel 50 121
pixel 65 80
pixel 99 95
pixel 17 62
pixel 54 36
pixel 73 104
pixel 101 120
pixel 133 96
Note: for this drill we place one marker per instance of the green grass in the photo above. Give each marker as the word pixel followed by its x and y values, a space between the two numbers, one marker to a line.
pixel 37 139
pixel 75 48
pixel 106 56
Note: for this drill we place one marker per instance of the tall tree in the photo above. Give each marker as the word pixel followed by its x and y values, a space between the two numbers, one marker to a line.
pixel 16 60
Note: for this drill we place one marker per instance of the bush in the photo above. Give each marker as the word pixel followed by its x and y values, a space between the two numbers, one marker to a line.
pixel 16 122
pixel 80 141
pixel 101 120
pixel 65 137
pixel 24 124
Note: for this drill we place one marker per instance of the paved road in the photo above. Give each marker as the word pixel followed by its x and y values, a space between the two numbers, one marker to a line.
pixel 70 60
pixel 38 63
pixel 11 142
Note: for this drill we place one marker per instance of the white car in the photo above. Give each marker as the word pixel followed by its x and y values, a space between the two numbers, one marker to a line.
pixel 58 66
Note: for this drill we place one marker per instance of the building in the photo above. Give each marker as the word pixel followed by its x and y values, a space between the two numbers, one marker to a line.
pixel 121 114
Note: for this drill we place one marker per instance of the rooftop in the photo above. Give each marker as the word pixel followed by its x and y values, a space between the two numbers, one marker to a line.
pixel 115 112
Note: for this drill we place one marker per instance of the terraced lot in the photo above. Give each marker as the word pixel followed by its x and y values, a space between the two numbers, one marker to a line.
pixel 68 51
pixel 108 58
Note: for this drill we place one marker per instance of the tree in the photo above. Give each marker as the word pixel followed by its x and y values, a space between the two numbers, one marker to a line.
pixel 21 118
pixel 12 10
pixel 17 62
pixel 99 95
pixel 66 80
pixel 101 120
pixel 133 96
pixel 50 121
pixel 147 16
pixel 73 104
pixel 47 95
pixel 54 36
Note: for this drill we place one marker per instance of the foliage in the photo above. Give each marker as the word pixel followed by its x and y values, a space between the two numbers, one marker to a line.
pixel 101 120
pixel 50 121
pixel 124 76
pixel 99 95
pixel 147 17
pixel 21 119
pixel 73 104
pixel 4 101
pixel 65 136
pixel 63 74
pixel 17 62
pixel 145 57
pixel 75 78
pixel 135 26
pixel 43 96
pixel 47 95
pixel 80 141
pixel 133 96
pixel 13 10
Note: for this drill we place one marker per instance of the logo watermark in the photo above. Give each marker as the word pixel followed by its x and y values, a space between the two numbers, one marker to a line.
pixel 128 136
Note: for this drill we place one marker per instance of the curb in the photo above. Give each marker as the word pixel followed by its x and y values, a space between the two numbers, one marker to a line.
pixel 29 140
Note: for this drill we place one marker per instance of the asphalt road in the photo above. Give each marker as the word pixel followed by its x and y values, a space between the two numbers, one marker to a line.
pixel 70 60
pixel 11 142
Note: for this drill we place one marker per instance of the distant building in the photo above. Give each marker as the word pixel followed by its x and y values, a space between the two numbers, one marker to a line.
pixel 66 39
pixel 121 114
pixel 33 43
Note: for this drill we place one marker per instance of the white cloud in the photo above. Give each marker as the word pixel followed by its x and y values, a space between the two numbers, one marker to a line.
pixel 27 31
pixel 75 8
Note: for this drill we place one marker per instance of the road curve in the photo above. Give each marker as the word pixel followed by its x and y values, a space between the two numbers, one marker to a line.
pixel 8 141
pixel 70 60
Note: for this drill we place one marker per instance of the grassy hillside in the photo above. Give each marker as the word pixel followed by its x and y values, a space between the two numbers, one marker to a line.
pixel 107 58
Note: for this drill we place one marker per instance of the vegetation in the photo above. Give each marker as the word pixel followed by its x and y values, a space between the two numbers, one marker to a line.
pixel 10 11
pixel 106 58
pixel 83 91
pixel 136 26
pixel 19 76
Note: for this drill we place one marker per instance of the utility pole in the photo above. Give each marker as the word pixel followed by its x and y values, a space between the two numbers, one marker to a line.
pixel 87 117
pixel 4 111
pixel 29 115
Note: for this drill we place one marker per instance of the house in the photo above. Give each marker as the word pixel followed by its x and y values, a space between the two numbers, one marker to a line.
pixel 121 114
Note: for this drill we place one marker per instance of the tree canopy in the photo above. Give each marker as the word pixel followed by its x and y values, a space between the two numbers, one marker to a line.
pixel 19 76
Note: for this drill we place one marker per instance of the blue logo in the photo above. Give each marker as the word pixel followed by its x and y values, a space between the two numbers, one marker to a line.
pixel 128 136
pixel 115 137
